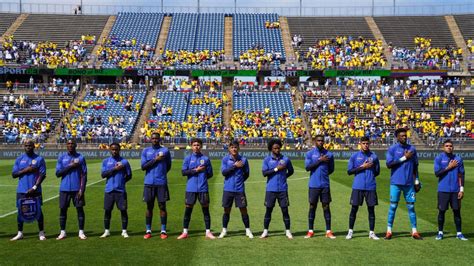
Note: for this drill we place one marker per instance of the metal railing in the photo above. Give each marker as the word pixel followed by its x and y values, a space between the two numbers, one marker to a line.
pixel 290 8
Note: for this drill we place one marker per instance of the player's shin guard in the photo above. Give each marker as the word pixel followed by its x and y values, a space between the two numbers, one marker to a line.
pixel 40 222
pixel 311 217
pixel 63 218
pixel 371 210
pixel 225 220
pixel 391 214
pixel 246 220
pixel 327 216
pixel 20 223
pixel 81 217
pixel 457 220
pixel 124 215
pixel 441 215
pixel 107 216
pixel 268 218
pixel 286 218
pixel 412 214
pixel 207 217
pixel 187 217
pixel 352 216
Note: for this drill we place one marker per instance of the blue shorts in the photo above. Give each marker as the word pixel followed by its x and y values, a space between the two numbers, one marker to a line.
pixel 117 197
pixel 65 198
pixel 319 194
pixel 448 198
pixel 239 197
pixel 271 197
pixel 408 192
pixel 191 198
pixel 357 197
pixel 161 193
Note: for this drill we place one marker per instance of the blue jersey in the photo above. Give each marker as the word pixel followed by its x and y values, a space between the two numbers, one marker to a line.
pixel 197 182
pixel 449 181
pixel 157 174
pixel 276 181
pixel 27 181
pixel 116 182
pixel 74 179
pixel 234 177
pixel 319 170
pixel 402 173
pixel 364 179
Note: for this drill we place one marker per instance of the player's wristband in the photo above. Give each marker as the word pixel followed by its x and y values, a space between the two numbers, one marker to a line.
pixel 34 187
pixel 417 181
pixel 402 159
pixel 461 189
pixel 275 169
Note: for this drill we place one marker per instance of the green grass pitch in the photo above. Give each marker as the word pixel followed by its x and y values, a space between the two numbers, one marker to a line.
pixel 236 248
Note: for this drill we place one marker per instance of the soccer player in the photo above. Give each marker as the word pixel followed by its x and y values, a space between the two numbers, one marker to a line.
pixel 197 168
pixel 402 160
pixel 72 169
pixel 276 168
pixel 235 169
pixel 117 171
pixel 320 163
pixel 156 161
pixel 449 168
pixel 365 166
pixel 30 169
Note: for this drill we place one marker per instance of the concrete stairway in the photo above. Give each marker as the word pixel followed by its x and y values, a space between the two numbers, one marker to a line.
pixel 286 36
pixel 459 39
pixel 165 28
pixel 143 115
pixel 227 110
pixel 228 49
pixel 14 26
pixel 378 35
pixel 105 34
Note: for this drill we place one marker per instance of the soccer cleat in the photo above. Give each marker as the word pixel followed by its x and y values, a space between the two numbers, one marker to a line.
pixel 249 234
pixel 124 234
pixel 416 236
pixel 41 236
pixel 461 237
pixel 289 235
pixel 439 236
pixel 61 236
pixel 17 237
pixel 147 235
pixel 163 235
pixel 309 234
pixel 330 235
pixel 349 235
pixel 264 235
pixel 105 234
pixel 82 236
pixel 222 234
pixel 388 235
pixel 209 235
pixel 373 236
pixel 183 236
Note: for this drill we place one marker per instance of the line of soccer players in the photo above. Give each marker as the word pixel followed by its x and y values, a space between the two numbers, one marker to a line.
pixel 401 159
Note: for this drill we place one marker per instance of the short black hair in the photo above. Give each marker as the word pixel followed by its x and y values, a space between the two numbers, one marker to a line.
pixel 115 144
pixel 198 140
pixel 400 130
pixel 448 141
pixel 273 142
pixel 156 133
pixel 318 136
pixel 364 138
pixel 234 143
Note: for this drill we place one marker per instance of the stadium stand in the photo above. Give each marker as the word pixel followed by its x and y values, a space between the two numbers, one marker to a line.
pixel 104 115
pixel 312 29
pixel 466 26
pixel 6 20
pixel 249 31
